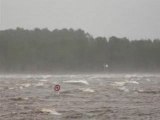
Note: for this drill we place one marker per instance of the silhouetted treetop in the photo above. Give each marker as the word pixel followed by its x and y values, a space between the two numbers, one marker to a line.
pixel 74 50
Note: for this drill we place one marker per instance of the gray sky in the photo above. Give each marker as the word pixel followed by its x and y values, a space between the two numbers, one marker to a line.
pixel 122 18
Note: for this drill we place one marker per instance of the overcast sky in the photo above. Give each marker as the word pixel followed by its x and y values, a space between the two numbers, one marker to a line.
pixel 121 18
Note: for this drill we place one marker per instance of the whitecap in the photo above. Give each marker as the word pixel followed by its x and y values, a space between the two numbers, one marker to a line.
pixel 129 76
pixel 122 83
pixel 133 82
pixel 88 90
pixel 11 88
pixel 40 84
pixel 148 80
pixel 123 89
pixel 43 80
pixel 77 81
pixel 140 90
pixel 46 76
pixel 118 84
pixel 51 111
pixel 26 98
pixel 21 87
pixel 26 85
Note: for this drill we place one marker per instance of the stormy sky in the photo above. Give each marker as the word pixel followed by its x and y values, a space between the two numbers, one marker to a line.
pixel 134 19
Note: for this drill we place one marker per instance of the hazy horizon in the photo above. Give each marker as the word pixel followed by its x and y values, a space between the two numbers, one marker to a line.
pixel 122 18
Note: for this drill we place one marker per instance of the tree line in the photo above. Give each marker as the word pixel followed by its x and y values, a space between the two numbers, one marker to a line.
pixel 42 50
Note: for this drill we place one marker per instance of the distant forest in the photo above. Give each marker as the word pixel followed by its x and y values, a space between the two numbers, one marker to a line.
pixel 68 50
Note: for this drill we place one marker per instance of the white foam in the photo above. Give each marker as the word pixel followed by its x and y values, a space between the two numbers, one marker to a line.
pixel 21 87
pixel 88 90
pixel 26 85
pixel 11 88
pixel 128 76
pixel 119 84
pixel 40 84
pixel 77 81
pixel 123 89
pixel 122 83
pixel 133 82
pixel 26 98
pixel 51 111
pixel 140 90
pixel 43 80
pixel 148 80
pixel 46 76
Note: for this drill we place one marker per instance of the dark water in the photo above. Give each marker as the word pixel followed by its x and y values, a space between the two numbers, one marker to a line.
pixel 82 97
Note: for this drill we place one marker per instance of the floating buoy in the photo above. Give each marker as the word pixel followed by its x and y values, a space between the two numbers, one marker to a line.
pixel 57 88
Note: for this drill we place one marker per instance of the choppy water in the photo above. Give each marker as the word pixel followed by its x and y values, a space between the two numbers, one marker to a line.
pixel 82 97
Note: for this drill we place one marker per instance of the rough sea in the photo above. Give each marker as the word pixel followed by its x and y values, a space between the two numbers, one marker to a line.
pixel 81 97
